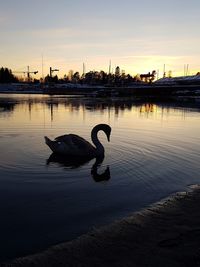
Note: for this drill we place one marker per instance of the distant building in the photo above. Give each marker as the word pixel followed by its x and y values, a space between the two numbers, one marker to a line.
pixel 117 71
pixel 70 75
pixel 194 79
pixel 148 77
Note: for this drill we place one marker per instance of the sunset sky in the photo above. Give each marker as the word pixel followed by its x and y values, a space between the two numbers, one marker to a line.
pixel 139 36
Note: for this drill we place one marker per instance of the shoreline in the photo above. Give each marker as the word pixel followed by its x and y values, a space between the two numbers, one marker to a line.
pixel 164 234
pixel 162 91
pixel 164 98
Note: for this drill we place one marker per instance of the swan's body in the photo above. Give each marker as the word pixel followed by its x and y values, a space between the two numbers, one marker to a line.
pixel 74 145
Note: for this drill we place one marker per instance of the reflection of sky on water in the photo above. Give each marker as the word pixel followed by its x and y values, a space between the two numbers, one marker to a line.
pixel 154 151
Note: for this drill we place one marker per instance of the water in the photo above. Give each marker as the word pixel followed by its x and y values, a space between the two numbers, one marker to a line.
pixel 154 152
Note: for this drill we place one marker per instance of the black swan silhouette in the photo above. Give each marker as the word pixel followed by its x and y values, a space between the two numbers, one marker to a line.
pixel 74 145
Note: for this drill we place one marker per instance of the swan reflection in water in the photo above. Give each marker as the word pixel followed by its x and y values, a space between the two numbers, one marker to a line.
pixel 76 162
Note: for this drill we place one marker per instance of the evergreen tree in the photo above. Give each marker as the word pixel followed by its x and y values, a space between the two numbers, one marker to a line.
pixel 6 76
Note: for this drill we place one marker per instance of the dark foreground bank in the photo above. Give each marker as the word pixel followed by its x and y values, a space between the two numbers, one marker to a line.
pixel 167 234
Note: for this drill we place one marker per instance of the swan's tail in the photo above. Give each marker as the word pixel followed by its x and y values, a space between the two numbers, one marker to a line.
pixel 53 145
pixel 47 140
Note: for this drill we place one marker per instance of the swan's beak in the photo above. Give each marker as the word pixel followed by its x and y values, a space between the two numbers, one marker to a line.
pixel 108 132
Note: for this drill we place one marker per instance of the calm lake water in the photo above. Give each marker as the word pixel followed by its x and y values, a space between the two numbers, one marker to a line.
pixel 154 151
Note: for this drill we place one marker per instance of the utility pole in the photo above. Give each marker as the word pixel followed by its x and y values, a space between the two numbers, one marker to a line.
pixel 28 73
pixel 52 70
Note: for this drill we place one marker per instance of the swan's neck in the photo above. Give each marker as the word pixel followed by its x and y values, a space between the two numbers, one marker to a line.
pixel 96 142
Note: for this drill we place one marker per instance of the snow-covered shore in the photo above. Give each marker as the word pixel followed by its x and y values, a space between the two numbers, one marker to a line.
pixel 14 88
pixel 166 234
pixel 142 91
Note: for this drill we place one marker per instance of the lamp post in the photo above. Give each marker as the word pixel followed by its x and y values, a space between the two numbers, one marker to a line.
pixel 52 70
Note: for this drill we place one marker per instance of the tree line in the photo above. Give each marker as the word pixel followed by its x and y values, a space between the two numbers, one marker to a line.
pixel 98 78
pixel 6 76
pixel 89 78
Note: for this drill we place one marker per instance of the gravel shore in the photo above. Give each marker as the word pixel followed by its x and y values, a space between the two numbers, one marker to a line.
pixel 164 235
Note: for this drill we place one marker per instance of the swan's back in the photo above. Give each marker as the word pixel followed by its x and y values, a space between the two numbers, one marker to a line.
pixel 76 144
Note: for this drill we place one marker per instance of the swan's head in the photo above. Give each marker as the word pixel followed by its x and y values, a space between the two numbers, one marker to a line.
pixel 107 131
pixel 106 128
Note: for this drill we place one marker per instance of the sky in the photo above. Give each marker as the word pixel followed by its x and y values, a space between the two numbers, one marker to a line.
pixel 137 35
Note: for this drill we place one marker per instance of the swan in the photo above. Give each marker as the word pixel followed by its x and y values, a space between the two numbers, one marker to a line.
pixel 74 145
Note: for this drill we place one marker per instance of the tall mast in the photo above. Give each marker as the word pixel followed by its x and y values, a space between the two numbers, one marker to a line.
pixel 187 69
pixel 109 67
pixel 164 73
pixel 28 74
pixel 83 69
pixel 42 68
